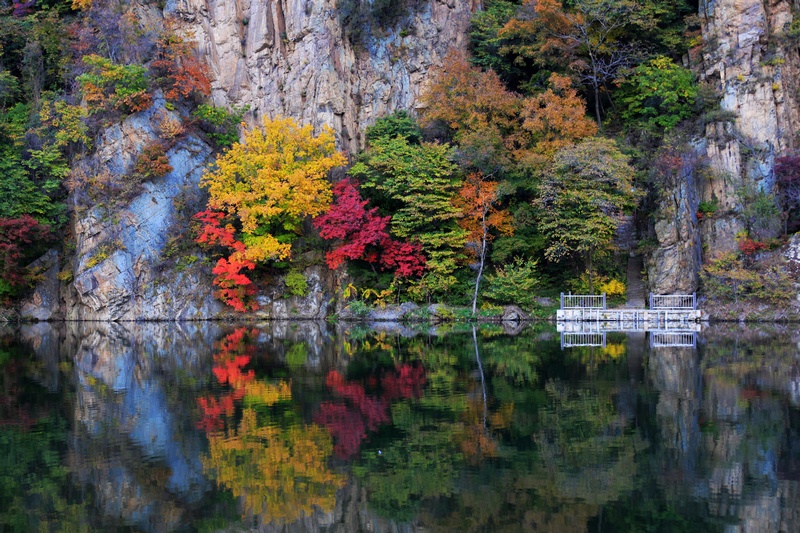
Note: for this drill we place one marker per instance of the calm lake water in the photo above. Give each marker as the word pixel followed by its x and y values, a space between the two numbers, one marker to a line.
pixel 315 427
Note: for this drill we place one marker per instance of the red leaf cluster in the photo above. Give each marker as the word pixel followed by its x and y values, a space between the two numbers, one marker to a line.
pixel 235 288
pixel 405 258
pixel 749 247
pixel 363 235
pixel 17 235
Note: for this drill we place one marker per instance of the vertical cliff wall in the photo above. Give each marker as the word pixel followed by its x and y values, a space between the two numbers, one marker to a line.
pixel 296 57
pixel 750 56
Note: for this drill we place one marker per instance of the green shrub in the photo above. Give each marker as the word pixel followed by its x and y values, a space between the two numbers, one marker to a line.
pixel 658 95
pixel 400 123
pixel 221 124
pixel 514 283
pixel 296 284
pixel 707 208
pixel 359 308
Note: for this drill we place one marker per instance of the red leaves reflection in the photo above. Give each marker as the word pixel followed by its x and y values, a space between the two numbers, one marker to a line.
pixel 349 419
pixel 234 352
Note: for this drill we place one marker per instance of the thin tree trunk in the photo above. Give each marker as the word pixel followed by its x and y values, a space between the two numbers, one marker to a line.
pixel 597 106
pixel 480 369
pixel 481 263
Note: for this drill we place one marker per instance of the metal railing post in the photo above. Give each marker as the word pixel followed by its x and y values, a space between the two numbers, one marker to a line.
pixel 604 300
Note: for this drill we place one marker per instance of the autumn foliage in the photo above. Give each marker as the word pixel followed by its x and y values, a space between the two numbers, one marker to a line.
pixel 363 235
pixel 750 247
pixel 266 185
pixel 235 288
pixel 110 86
pixel 477 200
pixel 497 128
pixel 271 182
pixel 178 68
pixel 152 162
pixel 18 238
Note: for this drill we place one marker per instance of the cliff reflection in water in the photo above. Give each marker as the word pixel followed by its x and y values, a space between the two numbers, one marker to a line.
pixel 312 427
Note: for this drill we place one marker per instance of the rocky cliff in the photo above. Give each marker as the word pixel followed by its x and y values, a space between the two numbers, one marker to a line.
pixel 749 56
pixel 297 58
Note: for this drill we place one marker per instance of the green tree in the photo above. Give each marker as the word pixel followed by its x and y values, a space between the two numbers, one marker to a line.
pixel 489 50
pixel 417 184
pixel 582 196
pixel 19 194
pixel 399 123
pixel 658 95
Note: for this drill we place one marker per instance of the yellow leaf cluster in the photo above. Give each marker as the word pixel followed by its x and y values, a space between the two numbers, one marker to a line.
pixel 271 181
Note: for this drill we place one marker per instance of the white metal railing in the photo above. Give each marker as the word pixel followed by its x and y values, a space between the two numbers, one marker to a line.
pixel 673 339
pixel 573 340
pixel 673 301
pixel 583 301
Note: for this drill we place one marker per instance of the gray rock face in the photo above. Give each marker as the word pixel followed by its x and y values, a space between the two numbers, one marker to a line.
pixel 746 58
pixel 45 302
pixel 673 267
pixel 295 58
pixel 119 250
pixel 756 71
pixel 793 251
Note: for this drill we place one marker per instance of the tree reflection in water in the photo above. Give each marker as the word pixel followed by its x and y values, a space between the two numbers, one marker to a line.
pixel 158 428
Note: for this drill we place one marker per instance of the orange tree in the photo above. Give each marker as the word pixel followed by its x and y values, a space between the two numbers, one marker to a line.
pixel 266 186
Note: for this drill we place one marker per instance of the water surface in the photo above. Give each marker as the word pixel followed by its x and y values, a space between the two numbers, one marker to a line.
pixel 314 427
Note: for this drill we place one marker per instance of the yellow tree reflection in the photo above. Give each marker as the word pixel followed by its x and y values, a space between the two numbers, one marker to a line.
pixel 280 474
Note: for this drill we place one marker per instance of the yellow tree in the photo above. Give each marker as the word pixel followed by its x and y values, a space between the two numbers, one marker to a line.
pixel 271 182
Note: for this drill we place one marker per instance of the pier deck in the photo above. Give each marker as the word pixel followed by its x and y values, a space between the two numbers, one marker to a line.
pixel 664 309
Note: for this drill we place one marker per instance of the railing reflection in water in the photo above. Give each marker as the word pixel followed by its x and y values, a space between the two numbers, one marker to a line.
pixel 581 334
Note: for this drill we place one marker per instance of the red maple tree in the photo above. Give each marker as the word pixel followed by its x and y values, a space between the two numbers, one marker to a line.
pixel 235 288
pixel 362 235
